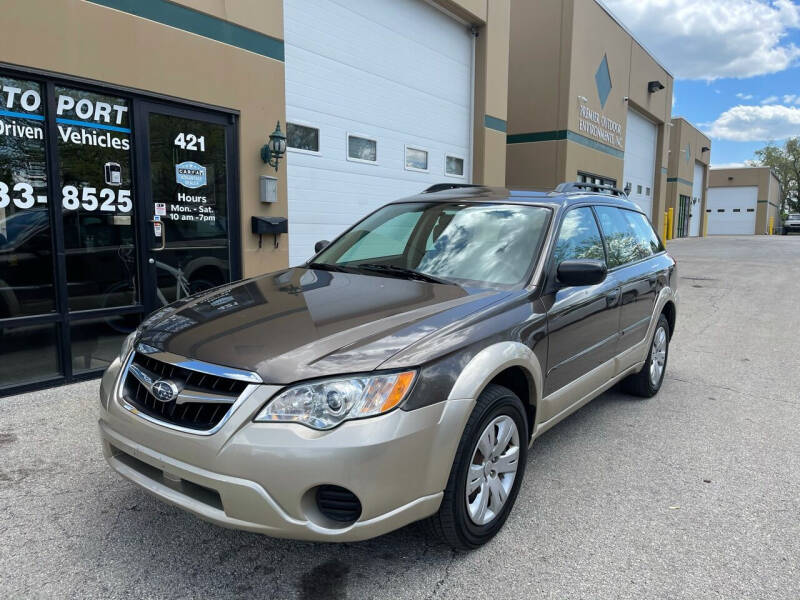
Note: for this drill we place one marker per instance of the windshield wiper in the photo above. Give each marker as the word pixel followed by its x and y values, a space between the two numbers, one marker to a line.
pixel 403 272
pixel 331 267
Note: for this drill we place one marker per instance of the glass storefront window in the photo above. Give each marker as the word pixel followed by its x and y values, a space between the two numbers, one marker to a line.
pixel 96 342
pixel 26 260
pixel 27 354
pixel 94 148
pixel 78 267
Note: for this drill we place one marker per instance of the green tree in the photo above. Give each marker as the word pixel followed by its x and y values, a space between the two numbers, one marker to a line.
pixel 785 163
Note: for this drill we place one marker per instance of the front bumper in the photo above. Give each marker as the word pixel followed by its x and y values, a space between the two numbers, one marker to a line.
pixel 262 476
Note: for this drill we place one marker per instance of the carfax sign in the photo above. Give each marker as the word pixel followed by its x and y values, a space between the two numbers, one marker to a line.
pixel 190 175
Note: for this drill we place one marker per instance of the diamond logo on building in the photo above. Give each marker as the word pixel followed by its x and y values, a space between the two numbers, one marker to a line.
pixel 603 80
pixel 190 175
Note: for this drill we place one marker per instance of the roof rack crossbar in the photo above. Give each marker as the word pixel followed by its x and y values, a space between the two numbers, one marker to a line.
pixel 440 187
pixel 581 186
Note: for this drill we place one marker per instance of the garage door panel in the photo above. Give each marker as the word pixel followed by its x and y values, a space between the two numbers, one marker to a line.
pixel 732 210
pixel 641 137
pixel 396 71
pixel 350 96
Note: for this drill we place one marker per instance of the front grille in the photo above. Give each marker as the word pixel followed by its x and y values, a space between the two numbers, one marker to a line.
pixel 185 411
pixel 338 503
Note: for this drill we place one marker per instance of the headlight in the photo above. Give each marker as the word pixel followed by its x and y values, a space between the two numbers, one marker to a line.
pixel 327 403
pixel 127 345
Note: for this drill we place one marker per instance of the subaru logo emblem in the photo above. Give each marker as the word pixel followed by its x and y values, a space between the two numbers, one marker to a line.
pixel 165 390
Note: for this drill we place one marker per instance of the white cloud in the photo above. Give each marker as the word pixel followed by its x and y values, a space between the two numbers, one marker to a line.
pixel 756 123
pixel 742 96
pixel 791 99
pixel 711 39
pixel 770 100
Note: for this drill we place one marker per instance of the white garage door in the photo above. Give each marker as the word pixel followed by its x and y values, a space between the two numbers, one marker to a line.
pixel 697 201
pixel 732 210
pixel 382 92
pixel 641 136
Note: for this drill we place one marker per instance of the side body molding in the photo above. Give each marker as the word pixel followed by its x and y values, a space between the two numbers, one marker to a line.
pixel 490 361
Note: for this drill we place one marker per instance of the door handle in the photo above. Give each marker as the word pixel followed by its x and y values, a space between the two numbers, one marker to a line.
pixel 163 245
pixel 612 297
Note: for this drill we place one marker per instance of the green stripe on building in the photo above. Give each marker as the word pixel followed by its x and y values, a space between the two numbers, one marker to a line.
pixel 202 24
pixel 679 180
pixel 768 202
pixel 495 123
pixel 563 134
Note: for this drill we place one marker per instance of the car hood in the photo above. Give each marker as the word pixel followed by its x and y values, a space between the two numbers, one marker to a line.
pixel 303 323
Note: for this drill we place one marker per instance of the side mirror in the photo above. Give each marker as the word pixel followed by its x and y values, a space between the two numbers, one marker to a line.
pixel 321 245
pixel 582 272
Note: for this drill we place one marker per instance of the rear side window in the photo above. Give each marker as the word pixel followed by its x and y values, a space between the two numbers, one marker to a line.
pixel 579 237
pixel 644 231
pixel 629 236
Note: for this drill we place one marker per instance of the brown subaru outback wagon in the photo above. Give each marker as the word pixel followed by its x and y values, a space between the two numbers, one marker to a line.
pixel 402 373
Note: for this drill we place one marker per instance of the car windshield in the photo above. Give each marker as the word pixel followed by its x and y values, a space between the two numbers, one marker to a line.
pixel 794 218
pixel 485 245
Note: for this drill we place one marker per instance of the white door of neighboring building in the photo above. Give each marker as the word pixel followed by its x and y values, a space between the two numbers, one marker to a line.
pixel 382 92
pixel 732 210
pixel 696 211
pixel 641 136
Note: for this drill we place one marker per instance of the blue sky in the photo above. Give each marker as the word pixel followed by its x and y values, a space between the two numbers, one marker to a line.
pixel 736 65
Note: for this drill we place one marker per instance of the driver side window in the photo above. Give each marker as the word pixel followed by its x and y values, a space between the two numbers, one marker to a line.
pixel 579 237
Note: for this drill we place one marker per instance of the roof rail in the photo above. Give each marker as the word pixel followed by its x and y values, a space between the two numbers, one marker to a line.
pixel 580 186
pixel 440 187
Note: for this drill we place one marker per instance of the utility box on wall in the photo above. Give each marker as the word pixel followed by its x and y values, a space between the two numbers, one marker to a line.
pixel 268 189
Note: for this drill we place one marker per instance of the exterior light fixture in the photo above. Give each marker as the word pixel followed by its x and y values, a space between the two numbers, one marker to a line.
pixel 654 86
pixel 705 149
pixel 272 152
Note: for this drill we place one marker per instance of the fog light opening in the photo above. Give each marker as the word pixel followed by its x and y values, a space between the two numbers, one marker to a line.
pixel 332 506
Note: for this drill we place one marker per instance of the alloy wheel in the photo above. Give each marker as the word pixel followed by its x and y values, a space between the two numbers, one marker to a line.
pixel 492 470
pixel 658 356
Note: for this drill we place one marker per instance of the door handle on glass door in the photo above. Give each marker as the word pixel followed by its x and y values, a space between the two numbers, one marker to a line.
pixel 163 236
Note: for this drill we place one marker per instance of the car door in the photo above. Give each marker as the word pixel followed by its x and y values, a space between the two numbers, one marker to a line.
pixel 582 321
pixel 630 242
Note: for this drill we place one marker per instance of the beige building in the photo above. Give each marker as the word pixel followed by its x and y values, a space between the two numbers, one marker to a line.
pixel 687 178
pixel 587 101
pixel 131 137
pixel 743 201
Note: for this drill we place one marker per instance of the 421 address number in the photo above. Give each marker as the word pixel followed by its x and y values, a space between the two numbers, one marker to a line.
pixel 89 199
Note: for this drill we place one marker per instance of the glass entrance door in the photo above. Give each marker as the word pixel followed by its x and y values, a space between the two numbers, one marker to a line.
pixel 188 204
pixel 111 206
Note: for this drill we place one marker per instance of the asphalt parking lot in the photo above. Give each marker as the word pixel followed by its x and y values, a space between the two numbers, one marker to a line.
pixel 693 494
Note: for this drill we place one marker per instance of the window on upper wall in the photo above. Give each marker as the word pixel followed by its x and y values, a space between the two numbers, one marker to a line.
pixel 362 149
pixel 596 179
pixel 416 159
pixel 453 166
pixel 302 137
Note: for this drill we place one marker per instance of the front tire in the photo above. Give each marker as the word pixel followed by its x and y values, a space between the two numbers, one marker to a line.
pixel 487 471
pixel 647 382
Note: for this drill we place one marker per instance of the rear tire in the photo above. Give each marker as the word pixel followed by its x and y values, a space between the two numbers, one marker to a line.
pixel 460 522
pixel 647 382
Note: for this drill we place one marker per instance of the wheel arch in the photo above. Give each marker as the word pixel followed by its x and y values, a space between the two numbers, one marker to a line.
pixel 510 364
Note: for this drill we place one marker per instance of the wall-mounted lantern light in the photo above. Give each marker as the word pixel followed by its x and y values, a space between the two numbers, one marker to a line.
pixel 705 149
pixel 272 152
pixel 654 86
